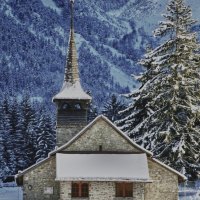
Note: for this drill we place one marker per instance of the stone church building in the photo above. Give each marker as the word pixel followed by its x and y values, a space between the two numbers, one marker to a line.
pixel 94 161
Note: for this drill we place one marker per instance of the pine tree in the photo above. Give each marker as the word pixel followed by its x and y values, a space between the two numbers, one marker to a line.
pixel 112 108
pixel 45 138
pixel 164 113
pixel 29 130
pixel 4 128
pixel 92 110
pixel 9 119
pixel 15 137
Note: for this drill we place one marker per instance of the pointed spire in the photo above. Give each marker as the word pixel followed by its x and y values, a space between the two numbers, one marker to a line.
pixel 71 68
pixel 72 88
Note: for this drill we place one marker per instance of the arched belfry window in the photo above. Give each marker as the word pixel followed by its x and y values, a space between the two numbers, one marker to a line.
pixel 77 106
pixel 65 106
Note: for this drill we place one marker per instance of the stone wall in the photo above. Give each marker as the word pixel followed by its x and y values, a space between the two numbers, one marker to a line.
pixel 164 185
pixel 39 178
pixel 65 133
pixel 101 191
pixel 101 133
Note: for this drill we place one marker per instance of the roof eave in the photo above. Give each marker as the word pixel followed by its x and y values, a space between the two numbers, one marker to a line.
pixel 181 177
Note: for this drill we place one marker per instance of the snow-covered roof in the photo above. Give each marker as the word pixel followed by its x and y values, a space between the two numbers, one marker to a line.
pixel 21 173
pixel 111 124
pixel 102 167
pixel 181 176
pixel 72 91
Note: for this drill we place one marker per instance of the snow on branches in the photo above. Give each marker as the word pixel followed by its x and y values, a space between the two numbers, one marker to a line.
pixel 164 116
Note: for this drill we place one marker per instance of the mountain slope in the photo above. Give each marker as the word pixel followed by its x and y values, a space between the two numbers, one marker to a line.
pixel 110 36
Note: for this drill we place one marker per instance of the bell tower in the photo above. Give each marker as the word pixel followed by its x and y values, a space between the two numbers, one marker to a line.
pixel 72 102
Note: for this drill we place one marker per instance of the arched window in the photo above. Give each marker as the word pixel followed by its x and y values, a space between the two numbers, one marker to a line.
pixel 77 106
pixel 65 106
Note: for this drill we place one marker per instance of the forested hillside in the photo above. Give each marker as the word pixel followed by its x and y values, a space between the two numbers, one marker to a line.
pixel 111 36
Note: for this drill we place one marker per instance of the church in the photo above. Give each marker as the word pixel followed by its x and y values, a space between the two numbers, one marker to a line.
pixel 94 161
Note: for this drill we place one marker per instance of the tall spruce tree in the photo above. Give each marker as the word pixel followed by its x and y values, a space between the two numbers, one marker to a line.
pixel 29 130
pixel 45 137
pixel 112 107
pixel 4 131
pixel 165 113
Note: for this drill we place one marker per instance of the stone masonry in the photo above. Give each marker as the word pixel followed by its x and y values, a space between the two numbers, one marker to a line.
pixel 101 191
pixel 164 182
pixel 64 134
pixel 101 133
pixel 164 185
pixel 37 179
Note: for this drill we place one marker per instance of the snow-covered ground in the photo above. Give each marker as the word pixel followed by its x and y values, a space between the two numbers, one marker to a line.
pixel 190 191
pixel 15 193
pixel 10 193
pixel 190 195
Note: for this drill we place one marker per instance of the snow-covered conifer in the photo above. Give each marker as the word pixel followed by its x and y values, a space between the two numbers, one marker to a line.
pixel 112 107
pixel 164 115
pixel 45 138
pixel 29 130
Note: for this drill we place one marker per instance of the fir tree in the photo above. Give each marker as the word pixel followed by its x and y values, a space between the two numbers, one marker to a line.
pixel 92 110
pixel 164 115
pixel 45 138
pixel 4 129
pixel 112 108
pixel 9 130
pixel 29 130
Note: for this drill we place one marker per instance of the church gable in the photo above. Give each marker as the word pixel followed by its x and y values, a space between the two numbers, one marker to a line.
pixel 102 136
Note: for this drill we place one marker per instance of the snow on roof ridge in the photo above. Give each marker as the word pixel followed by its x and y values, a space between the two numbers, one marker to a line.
pixel 84 129
pixel 75 137
pixel 170 168
pixel 134 143
pixel 32 166
pixel 72 91
pixel 109 122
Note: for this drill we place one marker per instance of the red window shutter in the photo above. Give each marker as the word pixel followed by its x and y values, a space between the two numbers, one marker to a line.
pixel 119 189
pixel 128 189
pixel 80 190
pixel 75 190
pixel 124 189
pixel 84 190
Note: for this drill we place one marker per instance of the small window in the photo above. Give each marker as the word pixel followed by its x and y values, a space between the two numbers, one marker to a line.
pixel 124 189
pixel 65 106
pixel 80 190
pixel 77 106
pixel 100 147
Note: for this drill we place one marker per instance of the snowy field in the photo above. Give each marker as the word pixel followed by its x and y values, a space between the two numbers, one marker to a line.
pixel 10 193
pixel 15 193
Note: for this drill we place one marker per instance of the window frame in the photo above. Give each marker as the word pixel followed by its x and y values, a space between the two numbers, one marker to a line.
pixel 122 189
pixel 80 190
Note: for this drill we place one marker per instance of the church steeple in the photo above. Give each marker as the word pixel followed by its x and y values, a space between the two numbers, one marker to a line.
pixel 72 101
pixel 71 69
